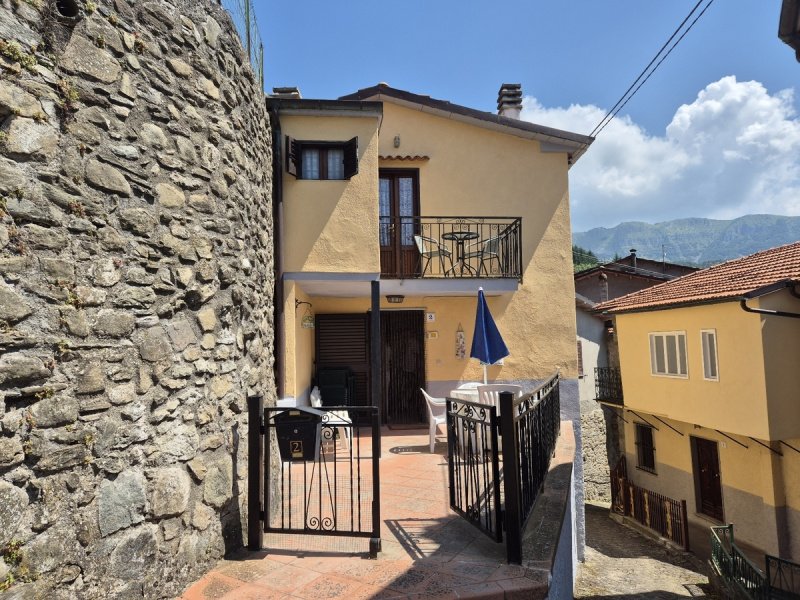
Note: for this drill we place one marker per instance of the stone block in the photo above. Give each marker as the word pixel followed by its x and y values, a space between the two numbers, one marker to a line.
pixel 21 369
pixel 107 178
pixel 181 333
pixel 135 554
pixel 90 379
pixel 113 323
pixel 169 196
pixel 207 318
pixel 82 57
pixel 122 394
pixel 55 411
pixel 218 483
pixel 63 458
pixel 31 138
pixel 171 489
pixel 11 453
pixel 121 502
pixel 13 307
pixel 16 101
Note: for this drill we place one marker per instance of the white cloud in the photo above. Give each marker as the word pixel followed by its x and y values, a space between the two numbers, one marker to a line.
pixel 735 150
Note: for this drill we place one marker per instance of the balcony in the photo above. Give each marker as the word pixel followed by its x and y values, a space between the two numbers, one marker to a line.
pixel 608 385
pixel 449 248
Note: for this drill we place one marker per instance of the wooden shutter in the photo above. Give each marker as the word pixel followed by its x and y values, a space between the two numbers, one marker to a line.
pixel 293 157
pixel 351 158
pixel 580 359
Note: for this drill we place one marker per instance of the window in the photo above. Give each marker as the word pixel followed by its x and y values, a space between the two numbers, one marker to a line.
pixel 645 450
pixel 580 359
pixel 668 354
pixel 322 160
pixel 709 342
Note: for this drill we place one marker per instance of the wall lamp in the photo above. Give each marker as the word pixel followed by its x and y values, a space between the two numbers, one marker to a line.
pixel 395 298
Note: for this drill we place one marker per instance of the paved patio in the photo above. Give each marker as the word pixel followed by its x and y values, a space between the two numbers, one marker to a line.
pixel 428 551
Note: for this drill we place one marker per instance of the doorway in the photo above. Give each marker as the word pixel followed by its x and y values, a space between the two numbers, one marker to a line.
pixel 403 367
pixel 398 205
pixel 707 481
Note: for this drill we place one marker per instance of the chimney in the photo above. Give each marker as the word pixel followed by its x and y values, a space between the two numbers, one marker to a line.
pixel 509 100
pixel 633 257
pixel 603 287
pixel 290 92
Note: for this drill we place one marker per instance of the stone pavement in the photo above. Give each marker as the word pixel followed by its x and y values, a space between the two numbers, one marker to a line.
pixel 428 552
pixel 621 563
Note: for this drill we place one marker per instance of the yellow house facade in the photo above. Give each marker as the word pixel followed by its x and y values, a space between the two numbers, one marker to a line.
pixel 424 169
pixel 711 387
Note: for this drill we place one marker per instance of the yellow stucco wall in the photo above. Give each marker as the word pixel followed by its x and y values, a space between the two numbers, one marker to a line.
pixel 471 171
pixel 736 403
pixel 331 226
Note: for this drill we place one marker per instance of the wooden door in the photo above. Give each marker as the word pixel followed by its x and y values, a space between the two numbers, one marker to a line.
pixel 398 200
pixel 403 366
pixel 342 341
pixel 708 484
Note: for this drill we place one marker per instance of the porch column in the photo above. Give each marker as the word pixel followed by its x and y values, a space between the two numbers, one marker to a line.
pixel 375 344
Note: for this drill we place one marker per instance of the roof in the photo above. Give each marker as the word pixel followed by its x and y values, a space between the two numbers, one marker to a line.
pixel 726 281
pixel 574 144
pixel 626 269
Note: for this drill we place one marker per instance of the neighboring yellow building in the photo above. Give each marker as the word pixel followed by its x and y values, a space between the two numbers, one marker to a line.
pixel 432 200
pixel 710 367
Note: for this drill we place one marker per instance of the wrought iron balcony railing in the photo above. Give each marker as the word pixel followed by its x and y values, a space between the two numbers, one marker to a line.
pixel 486 247
pixel 608 385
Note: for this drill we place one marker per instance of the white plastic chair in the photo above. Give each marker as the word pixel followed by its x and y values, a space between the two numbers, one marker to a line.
pixel 340 417
pixel 469 385
pixel 437 415
pixel 429 248
pixel 490 394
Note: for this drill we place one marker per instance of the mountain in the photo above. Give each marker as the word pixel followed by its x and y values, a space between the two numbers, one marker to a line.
pixel 692 241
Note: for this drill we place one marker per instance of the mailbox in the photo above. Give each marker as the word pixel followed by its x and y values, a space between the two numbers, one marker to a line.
pixel 298 432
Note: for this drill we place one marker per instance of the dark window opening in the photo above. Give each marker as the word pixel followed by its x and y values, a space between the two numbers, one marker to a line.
pixel 322 160
pixel 645 449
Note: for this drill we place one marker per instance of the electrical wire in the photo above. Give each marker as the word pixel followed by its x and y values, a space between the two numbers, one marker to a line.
pixel 647 71
pixel 597 131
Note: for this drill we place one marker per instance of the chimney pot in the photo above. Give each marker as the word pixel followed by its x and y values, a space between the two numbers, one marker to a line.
pixel 509 100
pixel 287 92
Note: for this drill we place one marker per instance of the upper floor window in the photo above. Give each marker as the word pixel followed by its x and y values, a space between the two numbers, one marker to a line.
pixel 322 160
pixel 709 341
pixel 668 354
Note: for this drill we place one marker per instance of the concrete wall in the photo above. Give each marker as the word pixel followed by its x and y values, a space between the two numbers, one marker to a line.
pixel 135 294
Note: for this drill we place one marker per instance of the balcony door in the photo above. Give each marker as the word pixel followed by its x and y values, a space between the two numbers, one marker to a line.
pixel 398 208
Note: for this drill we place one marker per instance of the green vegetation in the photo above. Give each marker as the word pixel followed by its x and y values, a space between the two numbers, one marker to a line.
pixel 583 259
pixel 12 51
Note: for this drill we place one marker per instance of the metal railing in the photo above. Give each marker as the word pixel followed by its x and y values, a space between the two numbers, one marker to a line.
pixel 474 465
pixel 418 246
pixel 498 458
pixel 783 578
pixel 664 515
pixel 244 18
pixel 529 426
pixel 335 493
pixel 608 385
pixel 734 567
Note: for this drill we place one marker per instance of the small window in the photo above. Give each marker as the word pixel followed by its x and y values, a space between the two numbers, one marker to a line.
pixel 322 160
pixel 668 354
pixel 580 359
pixel 645 450
pixel 709 340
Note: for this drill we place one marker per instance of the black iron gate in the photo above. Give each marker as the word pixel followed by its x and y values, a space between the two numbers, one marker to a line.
pixel 336 494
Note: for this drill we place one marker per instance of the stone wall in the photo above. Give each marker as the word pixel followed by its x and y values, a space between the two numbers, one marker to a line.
pixel 135 293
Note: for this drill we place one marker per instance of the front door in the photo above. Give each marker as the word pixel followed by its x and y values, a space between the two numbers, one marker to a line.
pixel 708 485
pixel 403 366
pixel 398 209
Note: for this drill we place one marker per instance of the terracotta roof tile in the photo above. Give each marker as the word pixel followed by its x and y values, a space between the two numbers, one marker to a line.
pixel 731 279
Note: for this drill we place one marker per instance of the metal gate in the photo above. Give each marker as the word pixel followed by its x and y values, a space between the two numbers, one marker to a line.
pixel 336 494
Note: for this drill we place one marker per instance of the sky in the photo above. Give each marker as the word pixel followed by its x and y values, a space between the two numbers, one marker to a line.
pixel 714 133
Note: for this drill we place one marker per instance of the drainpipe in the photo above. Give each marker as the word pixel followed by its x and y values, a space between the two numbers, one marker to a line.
pixel 277 201
pixel 763 291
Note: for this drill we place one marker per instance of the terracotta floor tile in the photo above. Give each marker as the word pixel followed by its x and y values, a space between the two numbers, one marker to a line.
pixel 288 578
pixel 254 592
pixel 484 591
pixel 212 587
pixel 248 570
pixel 328 587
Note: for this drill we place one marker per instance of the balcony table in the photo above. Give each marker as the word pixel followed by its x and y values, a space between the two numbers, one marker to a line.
pixel 460 237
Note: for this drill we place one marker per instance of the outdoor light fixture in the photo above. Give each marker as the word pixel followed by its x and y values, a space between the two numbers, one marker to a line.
pixel 397 141
pixel 789 25
pixel 395 298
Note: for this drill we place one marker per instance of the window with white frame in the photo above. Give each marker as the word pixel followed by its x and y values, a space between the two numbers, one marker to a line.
pixel 668 354
pixel 709 342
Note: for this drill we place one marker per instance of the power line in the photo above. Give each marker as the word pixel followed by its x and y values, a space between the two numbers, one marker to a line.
pixel 647 72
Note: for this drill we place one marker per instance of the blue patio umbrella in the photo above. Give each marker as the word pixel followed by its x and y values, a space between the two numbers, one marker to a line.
pixel 487 343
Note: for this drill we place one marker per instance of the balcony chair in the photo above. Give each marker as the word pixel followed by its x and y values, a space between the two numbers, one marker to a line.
pixel 437 415
pixel 338 419
pixel 490 394
pixel 429 249
pixel 489 251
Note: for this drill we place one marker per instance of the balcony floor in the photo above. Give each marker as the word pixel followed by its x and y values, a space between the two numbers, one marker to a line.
pixel 428 551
